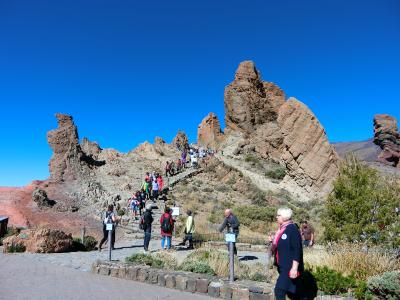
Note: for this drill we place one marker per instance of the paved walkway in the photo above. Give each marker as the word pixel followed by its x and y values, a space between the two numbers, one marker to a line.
pixel 23 278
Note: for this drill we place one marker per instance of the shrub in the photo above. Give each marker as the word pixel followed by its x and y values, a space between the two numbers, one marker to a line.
pixel 362 206
pixel 332 282
pixel 16 248
pixel 259 277
pixel 120 212
pixel 386 286
pixel 146 260
pixel 276 173
pixel 251 159
pixel 197 267
pixel 89 243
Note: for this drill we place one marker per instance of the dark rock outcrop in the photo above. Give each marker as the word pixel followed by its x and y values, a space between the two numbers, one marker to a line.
pixel 39 196
pixel 387 137
pixel 209 132
pixel 181 141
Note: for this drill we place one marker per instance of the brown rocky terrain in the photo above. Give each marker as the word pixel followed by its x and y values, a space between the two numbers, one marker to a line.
pixel 265 135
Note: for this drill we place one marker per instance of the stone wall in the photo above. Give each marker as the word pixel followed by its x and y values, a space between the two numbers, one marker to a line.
pixel 194 283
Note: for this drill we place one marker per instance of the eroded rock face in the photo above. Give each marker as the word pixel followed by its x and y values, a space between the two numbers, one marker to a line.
pixel 249 102
pixel 91 149
pixel 209 132
pixel 181 141
pixel 65 163
pixel 284 131
pixel 387 137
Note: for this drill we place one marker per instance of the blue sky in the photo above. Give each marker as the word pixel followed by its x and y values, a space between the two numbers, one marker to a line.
pixel 128 71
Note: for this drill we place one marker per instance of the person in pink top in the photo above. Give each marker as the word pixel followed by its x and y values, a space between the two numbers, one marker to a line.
pixel 160 182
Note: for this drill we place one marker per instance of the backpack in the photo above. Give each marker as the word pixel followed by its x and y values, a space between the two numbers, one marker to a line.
pixel 108 218
pixel 141 223
pixel 166 224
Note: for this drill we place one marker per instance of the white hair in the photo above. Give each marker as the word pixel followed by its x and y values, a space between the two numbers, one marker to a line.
pixel 285 212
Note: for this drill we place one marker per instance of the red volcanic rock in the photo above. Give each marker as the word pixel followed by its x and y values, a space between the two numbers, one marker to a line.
pixel 181 141
pixel 209 132
pixel 91 149
pixel 387 137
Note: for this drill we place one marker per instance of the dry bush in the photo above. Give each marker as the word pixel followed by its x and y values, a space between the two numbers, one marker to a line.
pixel 349 258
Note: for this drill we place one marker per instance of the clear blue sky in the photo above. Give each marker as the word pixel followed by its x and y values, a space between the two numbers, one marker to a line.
pixel 128 71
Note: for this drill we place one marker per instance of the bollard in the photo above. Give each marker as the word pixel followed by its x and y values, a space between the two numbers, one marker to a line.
pixel 231 238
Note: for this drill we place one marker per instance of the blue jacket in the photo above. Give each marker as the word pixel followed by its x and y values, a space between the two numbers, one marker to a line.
pixel 289 249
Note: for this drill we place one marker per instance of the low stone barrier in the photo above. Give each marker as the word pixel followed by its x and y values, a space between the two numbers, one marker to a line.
pixel 186 281
pixel 194 283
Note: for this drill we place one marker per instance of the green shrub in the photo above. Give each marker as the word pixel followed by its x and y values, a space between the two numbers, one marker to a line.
pixel 362 206
pixel 332 282
pixel 251 159
pixel 16 248
pixel 146 260
pixel 120 212
pixel 197 267
pixel 259 277
pixel 89 243
pixel 276 173
pixel 386 286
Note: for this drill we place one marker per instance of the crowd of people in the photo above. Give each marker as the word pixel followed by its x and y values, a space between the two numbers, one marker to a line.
pixel 286 244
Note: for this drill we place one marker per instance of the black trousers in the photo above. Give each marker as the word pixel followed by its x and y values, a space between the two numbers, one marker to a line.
pixel 188 237
pixel 105 237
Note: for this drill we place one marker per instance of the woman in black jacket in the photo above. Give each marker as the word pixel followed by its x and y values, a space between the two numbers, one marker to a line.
pixel 288 254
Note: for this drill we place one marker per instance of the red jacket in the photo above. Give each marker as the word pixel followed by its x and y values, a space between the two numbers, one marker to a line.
pixel 171 221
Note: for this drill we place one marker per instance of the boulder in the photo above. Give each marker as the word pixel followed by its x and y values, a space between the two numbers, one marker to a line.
pixel 39 196
pixel 209 132
pixel 387 137
pixel 41 241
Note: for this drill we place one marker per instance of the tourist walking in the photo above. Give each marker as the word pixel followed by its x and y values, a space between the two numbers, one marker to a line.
pixel 160 182
pixel 154 190
pixel 307 233
pixel 288 253
pixel 189 230
pixel 109 217
pixel 167 227
pixel 145 224
pixel 231 223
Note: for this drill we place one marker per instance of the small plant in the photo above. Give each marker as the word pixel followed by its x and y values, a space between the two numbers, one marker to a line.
pixel 251 159
pixel 146 260
pixel 15 248
pixel 276 173
pixel 197 267
pixel 386 286
pixel 10 231
pixel 89 243
pixel 120 212
pixel 332 282
pixel 259 277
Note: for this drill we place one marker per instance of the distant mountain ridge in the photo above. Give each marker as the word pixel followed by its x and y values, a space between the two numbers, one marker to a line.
pixel 364 150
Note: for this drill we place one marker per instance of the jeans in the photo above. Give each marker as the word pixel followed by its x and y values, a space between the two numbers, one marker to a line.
pixel 147 236
pixel 168 239
pixel 281 295
pixel 105 237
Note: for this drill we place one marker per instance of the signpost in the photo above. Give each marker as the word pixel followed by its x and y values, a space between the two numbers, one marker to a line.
pixel 230 238
pixel 109 228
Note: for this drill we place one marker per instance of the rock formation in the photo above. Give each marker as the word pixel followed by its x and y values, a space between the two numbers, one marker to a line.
pixel 283 131
pixel 41 241
pixel 209 132
pixel 65 164
pixel 39 196
pixel 181 141
pixel 91 149
pixel 387 136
